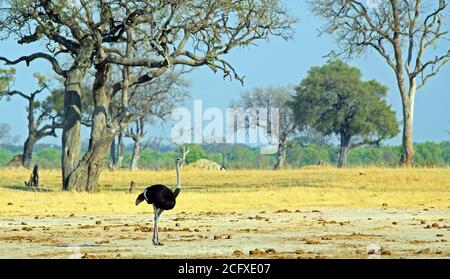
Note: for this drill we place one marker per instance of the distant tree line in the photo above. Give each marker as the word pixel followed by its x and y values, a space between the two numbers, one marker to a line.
pixel 239 156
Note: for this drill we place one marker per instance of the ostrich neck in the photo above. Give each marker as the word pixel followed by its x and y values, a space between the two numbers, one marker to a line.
pixel 178 177
pixel 178 189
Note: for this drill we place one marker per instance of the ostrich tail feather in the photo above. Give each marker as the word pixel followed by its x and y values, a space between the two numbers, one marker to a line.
pixel 176 192
pixel 140 198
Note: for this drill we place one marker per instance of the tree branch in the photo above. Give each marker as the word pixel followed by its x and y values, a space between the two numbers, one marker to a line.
pixel 39 55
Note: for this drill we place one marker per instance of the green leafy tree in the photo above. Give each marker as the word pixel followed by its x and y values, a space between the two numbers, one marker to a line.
pixel 242 156
pixel 446 151
pixel 48 158
pixel 196 153
pixel 5 156
pixel 430 154
pixel 309 154
pixel 6 77
pixel 334 100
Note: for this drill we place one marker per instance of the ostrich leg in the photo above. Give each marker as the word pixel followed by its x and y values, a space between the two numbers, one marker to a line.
pixel 155 225
pixel 157 213
pixel 157 230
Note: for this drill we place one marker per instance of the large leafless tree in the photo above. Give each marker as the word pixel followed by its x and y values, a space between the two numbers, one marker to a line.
pixel 93 34
pixel 272 98
pixel 151 101
pixel 411 36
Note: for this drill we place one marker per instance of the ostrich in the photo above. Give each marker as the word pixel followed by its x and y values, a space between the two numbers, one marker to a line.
pixel 162 198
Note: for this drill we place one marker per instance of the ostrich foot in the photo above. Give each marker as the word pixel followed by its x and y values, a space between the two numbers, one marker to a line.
pixel 157 243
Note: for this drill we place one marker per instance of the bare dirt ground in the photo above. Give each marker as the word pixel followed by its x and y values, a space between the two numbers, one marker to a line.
pixel 304 233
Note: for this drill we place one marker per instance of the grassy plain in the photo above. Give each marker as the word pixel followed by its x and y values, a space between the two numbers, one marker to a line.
pixel 230 191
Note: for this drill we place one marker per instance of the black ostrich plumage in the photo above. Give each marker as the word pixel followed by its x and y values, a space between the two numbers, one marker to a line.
pixel 160 196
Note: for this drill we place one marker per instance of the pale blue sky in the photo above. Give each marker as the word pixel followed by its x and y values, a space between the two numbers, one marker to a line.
pixel 274 63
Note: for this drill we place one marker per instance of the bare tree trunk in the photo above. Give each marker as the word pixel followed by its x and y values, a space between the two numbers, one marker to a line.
pixel 119 162
pixel 281 155
pixel 132 187
pixel 224 161
pixel 136 153
pixel 112 152
pixel 28 151
pixel 407 158
pixel 406 95
pixel 185 149
pixel 71 141
pixel 344 150
pixel 85 176
pixel 136 136
pixel 34 178
pixel 31 140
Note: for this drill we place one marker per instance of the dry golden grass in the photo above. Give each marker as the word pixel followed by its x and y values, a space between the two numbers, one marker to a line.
pixel 244 190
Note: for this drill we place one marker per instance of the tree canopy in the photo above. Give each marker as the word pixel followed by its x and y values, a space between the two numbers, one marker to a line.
pixel 333 100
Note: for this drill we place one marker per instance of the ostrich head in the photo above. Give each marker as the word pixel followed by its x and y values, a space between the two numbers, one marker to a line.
pixel 179 161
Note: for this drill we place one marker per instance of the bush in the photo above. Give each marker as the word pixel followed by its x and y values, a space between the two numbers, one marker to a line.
pixel 5 157
pixel 49 158
pixel 429 154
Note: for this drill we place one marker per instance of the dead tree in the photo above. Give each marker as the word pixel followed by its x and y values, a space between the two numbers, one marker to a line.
pixel 265 100
pixel 136 133
pixel 184 150
pixel 34 178
pixel 132 187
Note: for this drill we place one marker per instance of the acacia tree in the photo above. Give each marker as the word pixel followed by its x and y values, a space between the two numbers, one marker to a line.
pixel 43 117
pixel 91 34
pixel 404 33
pixel 333 99
pixel 272 98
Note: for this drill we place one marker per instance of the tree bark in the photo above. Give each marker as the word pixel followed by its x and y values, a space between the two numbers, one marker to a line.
pixel 71 141
pixel 281 155
pixel 31 140
pixel 407 158
pixel 344 150
pixel 224 161
pixel 136 136
pixel 28 151
pixel 85 176
pixel 406 95
pixel 136 153
pixel 119 162
pixel 112 152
